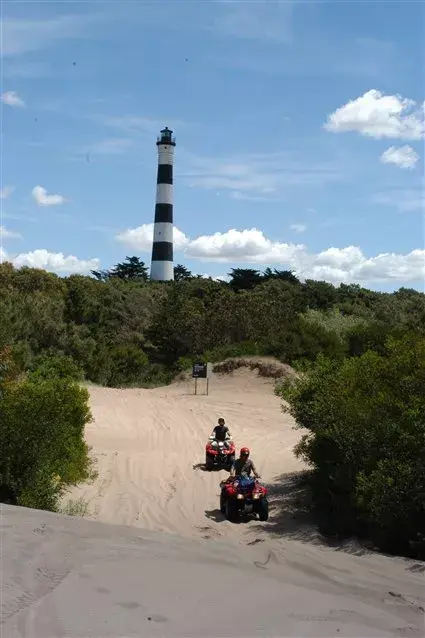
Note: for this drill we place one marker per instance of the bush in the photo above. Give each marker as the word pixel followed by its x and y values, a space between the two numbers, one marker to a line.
pixel 366 442
pixel 267 369
pixel 55 367
pixel 127 365
pixel 42 423
pixel 303 340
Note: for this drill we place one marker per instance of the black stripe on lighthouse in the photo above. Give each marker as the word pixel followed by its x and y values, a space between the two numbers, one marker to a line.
pixel 164 213
pixel 162 251
pixel 165 174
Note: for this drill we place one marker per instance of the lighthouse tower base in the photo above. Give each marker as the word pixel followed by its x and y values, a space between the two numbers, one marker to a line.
pixel 162 271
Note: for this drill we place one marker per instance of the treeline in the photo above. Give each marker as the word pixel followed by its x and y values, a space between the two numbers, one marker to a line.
pixel 120 329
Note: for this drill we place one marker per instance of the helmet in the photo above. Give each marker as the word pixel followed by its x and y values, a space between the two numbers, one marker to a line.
pixel 244 451
pixel 221 421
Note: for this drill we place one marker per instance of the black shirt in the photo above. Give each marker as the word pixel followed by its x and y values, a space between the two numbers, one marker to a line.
pixel 220 432
pixel 243 467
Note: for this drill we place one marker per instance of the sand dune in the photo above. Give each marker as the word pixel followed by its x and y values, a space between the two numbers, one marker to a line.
pixel 65 576
pixel 148 444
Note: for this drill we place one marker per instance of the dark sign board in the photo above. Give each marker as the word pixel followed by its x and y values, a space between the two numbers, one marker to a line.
pixel 199 371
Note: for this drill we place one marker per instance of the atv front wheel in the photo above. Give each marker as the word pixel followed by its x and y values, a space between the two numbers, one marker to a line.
pixel 222 504
pixel 209 464
pixel 263 509
pixel 230 510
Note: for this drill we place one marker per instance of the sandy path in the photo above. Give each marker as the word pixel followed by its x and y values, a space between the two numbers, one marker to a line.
pixel 147 443
pixel 65 576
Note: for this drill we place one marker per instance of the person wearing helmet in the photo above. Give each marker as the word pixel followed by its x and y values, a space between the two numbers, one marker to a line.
pixel 221 432
pixel 243 466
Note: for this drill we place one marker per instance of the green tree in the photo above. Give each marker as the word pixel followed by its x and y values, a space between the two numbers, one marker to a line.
pixel 128 363
pixel 55 366
pixel 283 275
pixel 132 268
pixel 181 273
pixel 100 275
pixel 42 423
pixel 244 279
pixel 367 441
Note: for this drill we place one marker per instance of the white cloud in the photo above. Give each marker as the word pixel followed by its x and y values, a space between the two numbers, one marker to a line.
pixel 404 156
pixel 379 116
pixel 11 98
pixel 9 234
pixel 350 264
pixel 298 228
pixel 141 238
pixel 6 191
pixel 43 198
pixel 250 246
pixel 53 262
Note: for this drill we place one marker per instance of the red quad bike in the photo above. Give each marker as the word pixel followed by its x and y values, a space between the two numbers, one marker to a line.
pixel 243 495
pixel 217 455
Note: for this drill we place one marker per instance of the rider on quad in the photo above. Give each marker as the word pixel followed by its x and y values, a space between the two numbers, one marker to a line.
pixel 243 466
pixel 221 433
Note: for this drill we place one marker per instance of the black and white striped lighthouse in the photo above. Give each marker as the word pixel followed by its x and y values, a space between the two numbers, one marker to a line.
pixel 162 268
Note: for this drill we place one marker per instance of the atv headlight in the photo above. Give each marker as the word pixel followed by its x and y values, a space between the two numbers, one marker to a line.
pixel 240 497
pixel 256 496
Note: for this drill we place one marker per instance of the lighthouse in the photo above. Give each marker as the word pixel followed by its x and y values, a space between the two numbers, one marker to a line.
pixel 162 248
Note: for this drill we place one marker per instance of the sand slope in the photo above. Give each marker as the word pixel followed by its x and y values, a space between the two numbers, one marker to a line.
pixel 69 577
pixel 147 443
pixel 65 576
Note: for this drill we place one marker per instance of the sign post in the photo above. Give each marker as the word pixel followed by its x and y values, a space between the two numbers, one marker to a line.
pixel 201 370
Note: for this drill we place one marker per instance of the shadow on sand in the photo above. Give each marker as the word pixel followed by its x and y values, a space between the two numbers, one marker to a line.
pixel 215 515
pixel 218 517
pixel 292 516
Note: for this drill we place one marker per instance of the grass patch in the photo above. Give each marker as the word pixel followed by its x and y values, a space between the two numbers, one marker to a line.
pixel 75 507
pixel 266 368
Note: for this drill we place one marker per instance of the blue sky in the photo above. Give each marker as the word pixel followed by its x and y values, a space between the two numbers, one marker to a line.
pixel 299 127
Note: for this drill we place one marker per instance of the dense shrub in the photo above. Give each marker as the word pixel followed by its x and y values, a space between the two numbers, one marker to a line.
pixel 121 329
pixel 55 367
pixel 366 441
pixel 303 339
pixel 128 364
pixel 42 421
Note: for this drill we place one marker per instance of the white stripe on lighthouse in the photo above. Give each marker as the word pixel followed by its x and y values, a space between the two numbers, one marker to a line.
pixel 164 193
pixel 165 154
pixel 162 271
pixel 163 231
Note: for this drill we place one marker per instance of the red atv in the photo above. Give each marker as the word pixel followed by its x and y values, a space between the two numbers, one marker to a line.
pixel 217 455
pixel 243 495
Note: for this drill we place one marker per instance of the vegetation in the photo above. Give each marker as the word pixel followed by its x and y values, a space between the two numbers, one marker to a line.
pixel 360 355
pixel 366 442
pixel 42 422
